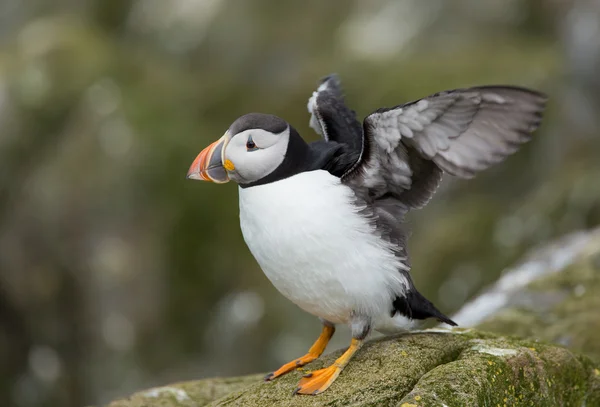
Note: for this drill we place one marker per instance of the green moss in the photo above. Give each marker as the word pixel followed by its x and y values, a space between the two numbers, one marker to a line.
pixel 428 368
pixel 505 372
pixel 563 309
pixel 369 378
pixel 195 393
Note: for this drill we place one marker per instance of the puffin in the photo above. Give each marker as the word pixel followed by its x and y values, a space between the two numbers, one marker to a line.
pixel 325 220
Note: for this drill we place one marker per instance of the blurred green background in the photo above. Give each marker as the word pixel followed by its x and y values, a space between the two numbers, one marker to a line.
pixel 117 273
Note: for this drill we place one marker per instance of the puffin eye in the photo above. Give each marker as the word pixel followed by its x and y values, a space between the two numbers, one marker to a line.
pixel 250 146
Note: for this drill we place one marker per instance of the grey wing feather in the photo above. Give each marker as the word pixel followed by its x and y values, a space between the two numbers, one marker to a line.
pixel 460 132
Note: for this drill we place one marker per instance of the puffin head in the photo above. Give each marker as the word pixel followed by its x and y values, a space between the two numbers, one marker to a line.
pixel 254 150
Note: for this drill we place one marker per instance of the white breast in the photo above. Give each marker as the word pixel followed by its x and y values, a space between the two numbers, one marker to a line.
pixel 308 237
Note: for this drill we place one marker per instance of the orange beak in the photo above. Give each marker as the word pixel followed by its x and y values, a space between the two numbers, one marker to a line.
pixel 208 166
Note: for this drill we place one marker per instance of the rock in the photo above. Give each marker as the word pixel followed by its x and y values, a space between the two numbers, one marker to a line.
pixel 549 297
pixel 194 393
pixel 433 367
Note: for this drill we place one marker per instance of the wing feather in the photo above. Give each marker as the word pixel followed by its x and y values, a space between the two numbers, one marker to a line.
pixel 331 118
pixel 461 132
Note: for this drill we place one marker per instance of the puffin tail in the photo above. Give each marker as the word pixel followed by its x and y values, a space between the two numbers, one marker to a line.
pixel 414 305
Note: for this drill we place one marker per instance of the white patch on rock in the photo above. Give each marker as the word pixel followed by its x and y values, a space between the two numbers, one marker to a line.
pixel 179 394
pixel 494 351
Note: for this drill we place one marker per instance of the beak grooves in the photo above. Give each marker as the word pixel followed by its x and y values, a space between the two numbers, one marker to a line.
pixel 208 165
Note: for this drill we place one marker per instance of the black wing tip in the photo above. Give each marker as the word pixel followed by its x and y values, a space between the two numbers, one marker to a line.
pixel 446 320
pixel 414 305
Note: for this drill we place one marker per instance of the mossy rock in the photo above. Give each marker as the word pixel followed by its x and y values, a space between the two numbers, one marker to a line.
pixel 426 368
pixel 559 305
pixel 188 394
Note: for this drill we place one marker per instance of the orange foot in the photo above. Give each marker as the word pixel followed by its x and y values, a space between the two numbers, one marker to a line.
pixel 288 367
pixel 314 352
pixel 318 381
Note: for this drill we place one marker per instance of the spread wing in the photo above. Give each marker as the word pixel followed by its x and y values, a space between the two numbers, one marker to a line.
pixel 331 118
pixel 463 131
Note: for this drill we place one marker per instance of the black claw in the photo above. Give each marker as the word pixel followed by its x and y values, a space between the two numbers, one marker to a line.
pixel 314 393
pixel 298 363
pixel 269 377
pixel 307 375
pixel 296 390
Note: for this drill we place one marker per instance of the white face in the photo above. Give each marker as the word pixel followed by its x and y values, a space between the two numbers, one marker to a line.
pixel 255 153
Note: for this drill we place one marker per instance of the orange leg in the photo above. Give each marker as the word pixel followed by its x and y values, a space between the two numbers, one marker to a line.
pixel 314 352
pixel 320 380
